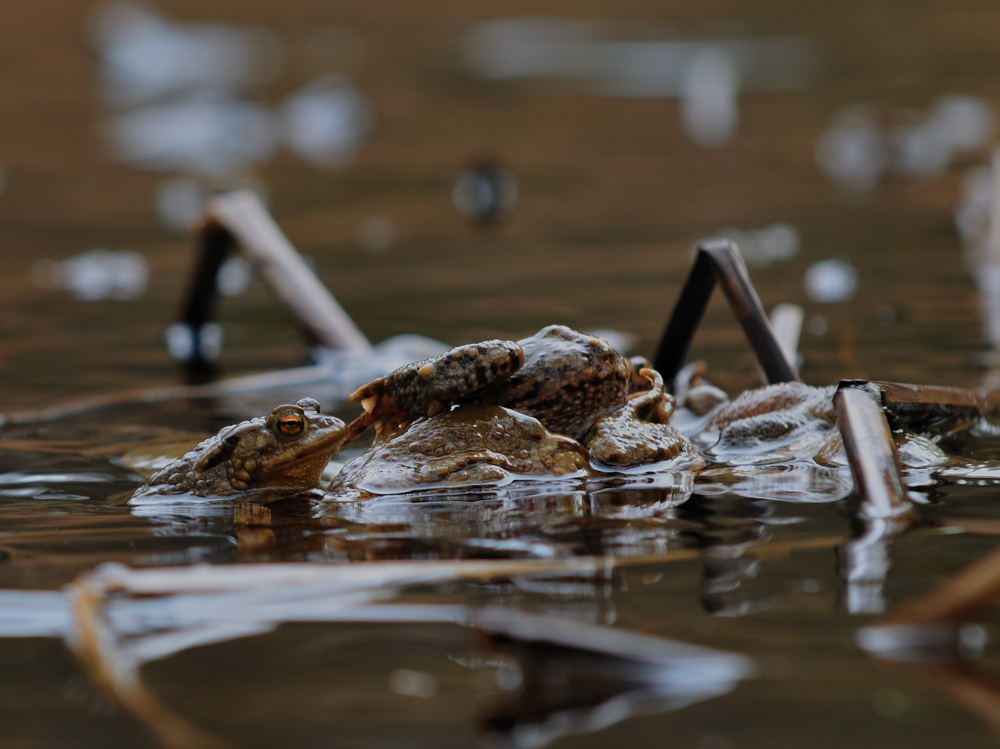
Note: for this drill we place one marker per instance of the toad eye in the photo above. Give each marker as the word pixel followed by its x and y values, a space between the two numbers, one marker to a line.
pixel 291 424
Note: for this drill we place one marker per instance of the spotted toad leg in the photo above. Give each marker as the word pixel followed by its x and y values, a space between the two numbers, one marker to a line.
pixel 639 433
pixel 427 387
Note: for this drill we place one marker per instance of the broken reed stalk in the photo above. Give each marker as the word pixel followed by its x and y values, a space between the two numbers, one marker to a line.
pixel 871 450
pixel 719 262
pixel 282 268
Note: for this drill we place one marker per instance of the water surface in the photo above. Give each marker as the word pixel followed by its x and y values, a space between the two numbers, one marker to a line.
pixel 611 193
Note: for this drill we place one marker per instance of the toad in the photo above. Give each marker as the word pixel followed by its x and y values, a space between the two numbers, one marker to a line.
pixel 484 412
pixel 788 416
pixel 470 445
pixel 262 459
pixel 565 379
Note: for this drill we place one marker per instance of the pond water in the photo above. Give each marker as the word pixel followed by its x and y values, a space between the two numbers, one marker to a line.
pixel 463 173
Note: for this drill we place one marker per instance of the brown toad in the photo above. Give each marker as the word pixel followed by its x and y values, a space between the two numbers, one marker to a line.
pixel 773 417
pixel 568 381
pixel 557 382
pixel 470 445
pixel 565 379
pixel 262 459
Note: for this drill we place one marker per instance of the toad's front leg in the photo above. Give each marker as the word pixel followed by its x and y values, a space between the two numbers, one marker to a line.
pixel 640 434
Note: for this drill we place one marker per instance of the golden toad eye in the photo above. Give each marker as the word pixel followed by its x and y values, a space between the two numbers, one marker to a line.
pixel 291 424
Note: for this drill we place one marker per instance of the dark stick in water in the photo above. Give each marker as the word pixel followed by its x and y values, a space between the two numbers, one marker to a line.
pixel 719 261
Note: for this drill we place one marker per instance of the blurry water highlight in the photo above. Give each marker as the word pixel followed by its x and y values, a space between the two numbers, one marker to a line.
pixel 95 275
pixel 705 75
pixel 830 281
pixel 374 234
pixel 234 276
pixel 965 122
pixel 761 247
pixel 864 143
pixel 977 218
pixel 709 86
pixel 181 96
pixel 144 55
pixel 851 150
pixel 786 319
pixel 410 683
pixel 201 133
pixel 325 122
pixel 972 214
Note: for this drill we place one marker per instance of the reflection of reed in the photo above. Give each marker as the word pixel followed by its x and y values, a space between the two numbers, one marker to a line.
pixel 116 619
pixel 930 637
pixel 978 693
pixel 97 649
pixel 121 619
pixel 958 599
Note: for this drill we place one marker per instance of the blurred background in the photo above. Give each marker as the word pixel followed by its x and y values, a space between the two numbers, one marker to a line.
pixel 465 171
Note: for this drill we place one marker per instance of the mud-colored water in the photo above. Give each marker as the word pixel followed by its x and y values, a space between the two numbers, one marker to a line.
pixel 612 192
